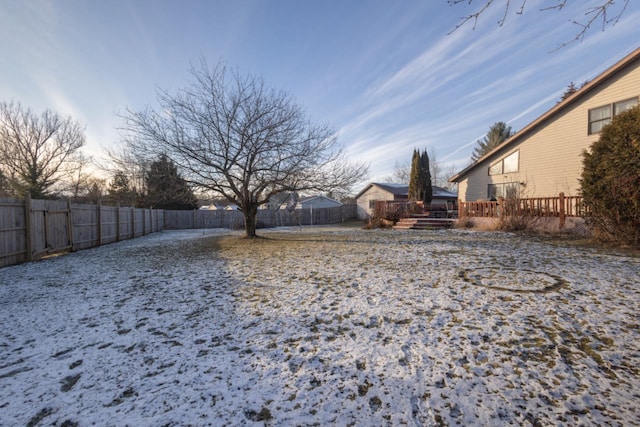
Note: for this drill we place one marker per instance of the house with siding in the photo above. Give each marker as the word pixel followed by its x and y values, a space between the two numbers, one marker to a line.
pixel 315 202
pixel 375 192
pixel 545 157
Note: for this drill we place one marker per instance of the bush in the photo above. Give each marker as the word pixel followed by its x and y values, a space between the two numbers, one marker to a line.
pixel 611 180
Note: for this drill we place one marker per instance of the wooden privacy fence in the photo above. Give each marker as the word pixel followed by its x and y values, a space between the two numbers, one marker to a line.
pixel 234 219
pixel 31 229
pixel 561 207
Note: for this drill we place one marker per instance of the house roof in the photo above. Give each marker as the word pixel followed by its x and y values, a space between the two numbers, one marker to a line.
pixel 442 193
pixel 403 190
pixel 559 108
pixel 397 189
pixel 310 198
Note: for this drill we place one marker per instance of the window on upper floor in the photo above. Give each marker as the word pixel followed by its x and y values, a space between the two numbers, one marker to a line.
pixel 601 116
pixel 509 164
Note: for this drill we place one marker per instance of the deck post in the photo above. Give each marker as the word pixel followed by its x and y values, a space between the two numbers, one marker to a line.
pixel 562 210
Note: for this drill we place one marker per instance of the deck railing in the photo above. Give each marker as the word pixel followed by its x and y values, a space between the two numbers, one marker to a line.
pixel 561 207
pixel 395 210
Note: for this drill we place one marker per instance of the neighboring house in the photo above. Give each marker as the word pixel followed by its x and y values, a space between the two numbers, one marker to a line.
pixel 545 157
pixel 374 192
pixel 212 207
pixel 315 202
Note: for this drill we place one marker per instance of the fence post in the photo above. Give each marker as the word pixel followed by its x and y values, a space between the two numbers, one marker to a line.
pixel 28 225
pixel 562 210
pixel 100 222
pixel 118 222
pixel 69 224
pixel 144 221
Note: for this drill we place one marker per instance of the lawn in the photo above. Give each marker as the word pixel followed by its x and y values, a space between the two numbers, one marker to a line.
pixel 323 326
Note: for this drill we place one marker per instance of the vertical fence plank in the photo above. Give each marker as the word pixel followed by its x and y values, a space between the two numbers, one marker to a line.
pixel 29 226
pixel 70 224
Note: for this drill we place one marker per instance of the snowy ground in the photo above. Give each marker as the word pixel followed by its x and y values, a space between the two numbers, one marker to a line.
pixel 323 326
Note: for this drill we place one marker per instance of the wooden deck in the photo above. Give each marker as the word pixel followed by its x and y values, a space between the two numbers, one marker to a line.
pixel 423 222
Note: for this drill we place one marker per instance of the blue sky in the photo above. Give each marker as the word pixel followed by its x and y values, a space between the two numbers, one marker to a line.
pixel 384 74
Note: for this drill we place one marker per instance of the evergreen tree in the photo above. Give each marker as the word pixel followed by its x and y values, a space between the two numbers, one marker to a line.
pixel 420 178
pixel 166 189
pixel 120 191
pixel 427 191
pixel 414 177
pixel 611 179
pixel 497 134
pixel 571 89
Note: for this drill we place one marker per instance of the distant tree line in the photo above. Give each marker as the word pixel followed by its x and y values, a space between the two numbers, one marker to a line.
pixel 41 157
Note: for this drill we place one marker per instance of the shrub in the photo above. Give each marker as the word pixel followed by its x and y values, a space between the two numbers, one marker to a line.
pixel 611 180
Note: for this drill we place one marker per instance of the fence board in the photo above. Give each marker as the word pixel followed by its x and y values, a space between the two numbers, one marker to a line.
pixel 233 219
pixel 13 242
pixel 31 229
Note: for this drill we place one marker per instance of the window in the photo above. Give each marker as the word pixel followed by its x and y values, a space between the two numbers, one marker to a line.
pixel 508 190
pixel 496 169
pixel 372 204
pixel 509 164
pixel 601 116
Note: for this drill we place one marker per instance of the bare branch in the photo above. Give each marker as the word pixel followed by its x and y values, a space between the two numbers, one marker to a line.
pixel 38 151
pixel 599 13
pixel 234 135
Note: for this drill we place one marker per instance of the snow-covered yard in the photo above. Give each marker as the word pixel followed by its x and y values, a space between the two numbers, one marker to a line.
pixel 323 326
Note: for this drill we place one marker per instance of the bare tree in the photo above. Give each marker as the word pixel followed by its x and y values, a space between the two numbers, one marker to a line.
pixel 603 14
pixel 234 135
pixel 80 180
pixel 399 175
pixel 37 151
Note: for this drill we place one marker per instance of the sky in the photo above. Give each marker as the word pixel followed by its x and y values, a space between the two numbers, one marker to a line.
pixel 389 77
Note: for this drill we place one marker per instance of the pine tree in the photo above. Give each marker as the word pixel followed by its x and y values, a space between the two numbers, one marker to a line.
pixel 420 178
pixel 414 177
pixel 166 189
pixel 427 191
pixel 497 134
pixel 120 192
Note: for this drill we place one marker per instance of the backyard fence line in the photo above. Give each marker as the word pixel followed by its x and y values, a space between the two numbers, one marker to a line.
pixel 234 219
pixel 31 228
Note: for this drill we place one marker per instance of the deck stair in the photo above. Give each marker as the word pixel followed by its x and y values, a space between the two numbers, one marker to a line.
pixel 423 222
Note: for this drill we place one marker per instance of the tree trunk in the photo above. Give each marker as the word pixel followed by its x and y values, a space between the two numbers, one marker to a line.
pixel 250 220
